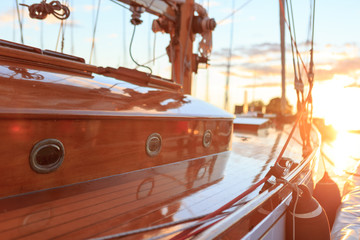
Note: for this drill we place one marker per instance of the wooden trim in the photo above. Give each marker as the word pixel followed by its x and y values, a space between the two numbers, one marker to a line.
pixel 21 54
pixel 131 75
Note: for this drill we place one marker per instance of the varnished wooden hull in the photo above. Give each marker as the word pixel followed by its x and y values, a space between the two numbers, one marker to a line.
pixel 110 205
pixel 107 182
pixel 102 123
pixel 176 192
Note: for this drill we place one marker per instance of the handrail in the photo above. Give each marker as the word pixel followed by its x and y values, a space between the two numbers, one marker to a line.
pixel 46 59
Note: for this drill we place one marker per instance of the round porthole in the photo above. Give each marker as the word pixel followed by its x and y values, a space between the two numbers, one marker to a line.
pixel 47 155
pixel 207 138
pixel 153 144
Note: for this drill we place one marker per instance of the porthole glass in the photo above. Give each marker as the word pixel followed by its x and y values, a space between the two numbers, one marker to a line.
pixel 153 144
pixel 47 156
pixel 207 138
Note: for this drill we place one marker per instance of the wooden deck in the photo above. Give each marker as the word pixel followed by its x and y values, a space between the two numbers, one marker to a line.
pixel 144 198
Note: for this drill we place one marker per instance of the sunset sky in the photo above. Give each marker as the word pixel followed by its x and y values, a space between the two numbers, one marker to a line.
pixel 255 64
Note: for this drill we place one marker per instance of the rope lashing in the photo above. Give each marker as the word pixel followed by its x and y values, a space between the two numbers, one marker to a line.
pixel 43 9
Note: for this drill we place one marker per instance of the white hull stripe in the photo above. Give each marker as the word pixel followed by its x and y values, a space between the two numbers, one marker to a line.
pixel 312 214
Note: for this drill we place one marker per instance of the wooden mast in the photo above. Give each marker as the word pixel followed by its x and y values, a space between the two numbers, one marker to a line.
pixel 182 65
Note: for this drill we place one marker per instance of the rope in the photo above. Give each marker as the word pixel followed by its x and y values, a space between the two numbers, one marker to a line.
pixel 43 9
pixel 94 32
pixel 233 12
pixel 20 22
pixel 299 86
pixel 117 3
pixel 187 233
pixel 155 58
pixel 312 47
pixel 131 56
pixel 63 37
pixel 58 38
pixel 297 57
pixel 294 211
pixel 72 32
pixel 226 102
pixel 305 125
pixel 293 41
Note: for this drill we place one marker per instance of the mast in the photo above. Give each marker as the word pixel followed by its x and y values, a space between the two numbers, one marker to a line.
pixel 177 18
pixel 182 65
pixel 282 45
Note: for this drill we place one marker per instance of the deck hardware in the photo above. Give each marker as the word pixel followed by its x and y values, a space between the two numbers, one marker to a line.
pixel 207 138
pixel 136 10
pixel 153 144
pixel 47 155
pixel 42 10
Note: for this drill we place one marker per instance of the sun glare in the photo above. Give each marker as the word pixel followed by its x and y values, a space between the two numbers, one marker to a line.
pixel 345 152
pixel 338 105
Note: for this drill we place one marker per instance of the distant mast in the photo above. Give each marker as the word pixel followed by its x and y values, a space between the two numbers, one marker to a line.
pixel 282 45
pixel 246 106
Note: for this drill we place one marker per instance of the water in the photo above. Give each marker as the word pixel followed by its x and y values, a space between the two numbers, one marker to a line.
pixel 342 156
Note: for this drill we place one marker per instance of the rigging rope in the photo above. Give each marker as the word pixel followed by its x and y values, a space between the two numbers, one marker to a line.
pixel 188 233
pixel 299 86
pixel 233 12
pixel 94 32
pixel 20 21
pixel 305 125
pixel 312 47
pixel 155 58
pixel 207 68
pixel 297 57
pixel 58 38
pixel 72 30
pixel 226 102
pixel 63 37
pixel 117 3
pixel 293 41
pixel 131 56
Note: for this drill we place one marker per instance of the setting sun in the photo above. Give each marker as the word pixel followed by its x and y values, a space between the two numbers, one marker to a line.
pixel 337 104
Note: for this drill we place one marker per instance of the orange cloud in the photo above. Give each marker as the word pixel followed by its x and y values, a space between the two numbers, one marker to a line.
pixel 263 61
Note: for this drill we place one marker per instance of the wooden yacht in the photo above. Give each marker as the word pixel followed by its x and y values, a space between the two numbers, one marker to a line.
pixel 97 152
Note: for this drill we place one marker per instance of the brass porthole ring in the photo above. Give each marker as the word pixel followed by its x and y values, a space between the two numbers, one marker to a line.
pixel 47 155
pixel 153 144
pixel 207 138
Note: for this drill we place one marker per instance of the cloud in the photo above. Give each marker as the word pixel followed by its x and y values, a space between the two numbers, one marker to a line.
pixel 11 15
pixel 263 61
pixel 353 85
pixel 269 84
pixel 259 49
pixel 348 66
